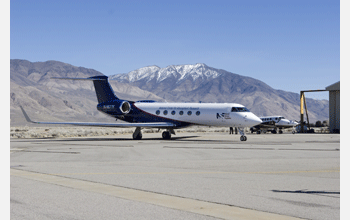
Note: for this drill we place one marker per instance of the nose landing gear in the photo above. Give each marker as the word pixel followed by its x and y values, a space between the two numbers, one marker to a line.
pixel 243 138
pixel 241 132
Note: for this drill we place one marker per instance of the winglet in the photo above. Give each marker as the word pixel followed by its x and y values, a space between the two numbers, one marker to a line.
pixel 25 115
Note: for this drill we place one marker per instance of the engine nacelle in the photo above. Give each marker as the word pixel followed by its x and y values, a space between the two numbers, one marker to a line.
pixel 117 107
pixel 125 107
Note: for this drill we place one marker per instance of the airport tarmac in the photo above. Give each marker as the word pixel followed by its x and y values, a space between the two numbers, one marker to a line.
pixel 192 176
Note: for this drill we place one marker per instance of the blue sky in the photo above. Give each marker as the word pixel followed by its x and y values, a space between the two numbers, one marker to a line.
pixel 290 45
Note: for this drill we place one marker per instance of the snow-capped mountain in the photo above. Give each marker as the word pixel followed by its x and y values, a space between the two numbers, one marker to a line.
pixel 178 72
pixel 199 82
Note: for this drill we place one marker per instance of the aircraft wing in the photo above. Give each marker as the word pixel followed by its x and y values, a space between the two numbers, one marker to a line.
pixel 93 124
pixel 270 124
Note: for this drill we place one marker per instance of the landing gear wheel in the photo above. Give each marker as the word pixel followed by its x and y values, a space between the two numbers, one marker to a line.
pixel 243 138
pixel 166 135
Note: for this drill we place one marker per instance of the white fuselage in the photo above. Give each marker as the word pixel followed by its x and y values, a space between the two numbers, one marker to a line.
pixel 208 114
pixel 280 121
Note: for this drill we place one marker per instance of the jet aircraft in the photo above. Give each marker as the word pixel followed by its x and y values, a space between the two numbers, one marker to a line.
pixel 272 123
pixel 161 115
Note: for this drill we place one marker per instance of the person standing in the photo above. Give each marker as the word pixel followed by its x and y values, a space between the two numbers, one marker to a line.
pixel 231 130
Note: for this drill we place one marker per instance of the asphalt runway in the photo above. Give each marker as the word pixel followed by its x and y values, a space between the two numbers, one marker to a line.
pixel 192 176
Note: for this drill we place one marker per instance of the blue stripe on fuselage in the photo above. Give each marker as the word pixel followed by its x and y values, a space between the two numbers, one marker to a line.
pixel 137 115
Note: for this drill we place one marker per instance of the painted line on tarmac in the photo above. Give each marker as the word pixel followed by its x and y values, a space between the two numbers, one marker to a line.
pixel 204 172
pixel 174 202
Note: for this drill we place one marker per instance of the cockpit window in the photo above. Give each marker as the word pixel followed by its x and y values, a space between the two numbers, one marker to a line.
pixel 239 109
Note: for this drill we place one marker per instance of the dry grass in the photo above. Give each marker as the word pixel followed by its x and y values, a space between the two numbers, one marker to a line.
pixel 57 132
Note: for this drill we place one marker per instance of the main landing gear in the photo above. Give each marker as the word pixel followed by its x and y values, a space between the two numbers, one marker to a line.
pixel 167 134
pixel 241 132
pixel 137 135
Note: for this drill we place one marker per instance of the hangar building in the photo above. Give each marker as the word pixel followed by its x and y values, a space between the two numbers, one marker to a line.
pixel 334 107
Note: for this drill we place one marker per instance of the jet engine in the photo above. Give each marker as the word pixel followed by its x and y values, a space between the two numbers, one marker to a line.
pixel 117 107
pixel 125 107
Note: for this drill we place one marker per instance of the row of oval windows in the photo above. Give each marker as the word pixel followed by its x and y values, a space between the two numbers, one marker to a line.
pixel 165 112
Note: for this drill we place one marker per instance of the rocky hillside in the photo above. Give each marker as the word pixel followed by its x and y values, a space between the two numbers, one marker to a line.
pixel 60 100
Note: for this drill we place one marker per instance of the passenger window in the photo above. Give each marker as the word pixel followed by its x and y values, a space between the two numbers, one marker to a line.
pixel 198 113
pixel 165 112
pixel 189 112
pixel 181 112
pixel 173 112
pixel 157 112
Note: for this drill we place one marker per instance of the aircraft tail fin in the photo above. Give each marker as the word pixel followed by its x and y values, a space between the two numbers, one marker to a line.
pixel 104 91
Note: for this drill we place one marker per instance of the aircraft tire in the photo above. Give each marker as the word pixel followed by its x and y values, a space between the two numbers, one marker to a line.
pixel 166 135
pixel 243 138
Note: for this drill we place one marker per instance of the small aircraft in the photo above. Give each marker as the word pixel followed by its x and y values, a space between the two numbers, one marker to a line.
pixel 161 115
pixel 272 123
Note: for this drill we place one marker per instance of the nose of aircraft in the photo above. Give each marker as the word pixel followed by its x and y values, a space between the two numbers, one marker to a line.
pixel 253 120
pixel 294 122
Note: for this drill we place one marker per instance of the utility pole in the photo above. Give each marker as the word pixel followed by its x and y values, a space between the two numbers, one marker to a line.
pixel 302 102
pixel 301 111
